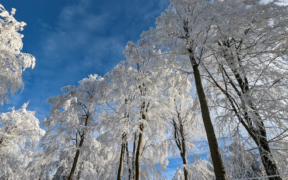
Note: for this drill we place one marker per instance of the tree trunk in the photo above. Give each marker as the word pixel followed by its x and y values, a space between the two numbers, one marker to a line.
pixel 58 174
pixel 258 134
pixel 260 139
pixel 127 156
pixel 263 144
pixel 79 175
pixel 184 159
pixel 183 153
pixel 121 162
pixel 219 169
pixel 74 163
pixel 260 131
pixel 182 148
pixel 133 157
pixel 78 150
pixel 266 157
pixel 181 145
pixel 138 153
pixel 80 171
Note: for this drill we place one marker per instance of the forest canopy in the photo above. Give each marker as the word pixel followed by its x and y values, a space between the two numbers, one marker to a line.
pixel 210 77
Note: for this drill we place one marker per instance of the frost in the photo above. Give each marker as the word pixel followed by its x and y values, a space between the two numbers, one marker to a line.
pixel 19 135
pixel 12 61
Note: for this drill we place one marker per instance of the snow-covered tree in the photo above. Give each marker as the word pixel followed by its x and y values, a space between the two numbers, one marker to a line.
pixel 199 170
pixel 12 61
pixel 69 146
pixel 182 113
pixel 239 161
pixel 133 101
pixel 226 58
pixel 19 135
pixel 182 33
pixel 248 41
pixel 19 129
pixel 248 67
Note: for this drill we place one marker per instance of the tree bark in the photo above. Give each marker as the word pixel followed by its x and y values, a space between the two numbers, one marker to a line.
pixel 263 144
pixel 78 150
pixel 266 156
pixel 133 157
pixel 138 153
pixel 80 171
pixel 219 169
pixel 121 162
pixel 127 156
pixel 182 148
pixel 180 144
pixel 183 153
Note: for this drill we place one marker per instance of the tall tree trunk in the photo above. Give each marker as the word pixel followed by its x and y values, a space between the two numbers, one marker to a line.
pixel 180 144
pixel 262 142
pixel 75 162
pixel 266 156
pixel 121 162
pixel 127 156
pixel 219 169
pixel 133 156
pixel 184 159
pixel 80 171
pixel 138 153
pixel 260 139
pixel 78 150
pixel 218 165
pixel 260 134
pixel 183 153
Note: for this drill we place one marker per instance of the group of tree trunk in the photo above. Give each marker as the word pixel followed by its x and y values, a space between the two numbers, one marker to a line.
pixel 209 70
pixel 217 50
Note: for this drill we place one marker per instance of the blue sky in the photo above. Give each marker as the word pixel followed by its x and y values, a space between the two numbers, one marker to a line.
pixel 74 38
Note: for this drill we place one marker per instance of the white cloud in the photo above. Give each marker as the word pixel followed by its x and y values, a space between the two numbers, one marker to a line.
pixel 69 11
pixel 80 34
